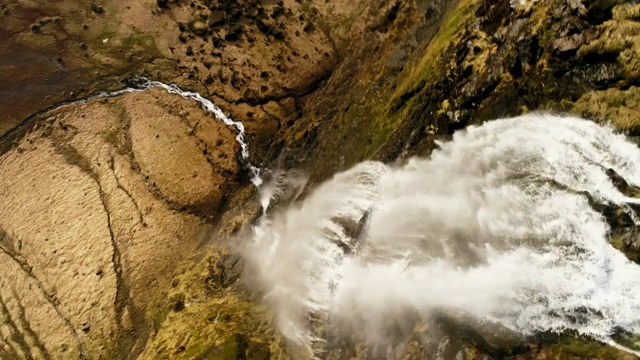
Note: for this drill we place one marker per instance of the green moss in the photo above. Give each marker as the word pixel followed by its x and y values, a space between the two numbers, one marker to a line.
pixel 629 340
pixel 454 22
pixel 619 108
pixel 159 314
pixel 111 137
pixel 577 348
pixel 618 242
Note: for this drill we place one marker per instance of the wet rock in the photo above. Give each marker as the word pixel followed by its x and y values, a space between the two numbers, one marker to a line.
pixel 622 185
pixel 492 339
pixel 230 268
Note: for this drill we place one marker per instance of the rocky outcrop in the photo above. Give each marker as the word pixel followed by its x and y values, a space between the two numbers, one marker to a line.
pixel 96 240
pixel 102 204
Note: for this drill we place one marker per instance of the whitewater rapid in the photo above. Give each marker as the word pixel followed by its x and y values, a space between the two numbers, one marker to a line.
pixel 494 225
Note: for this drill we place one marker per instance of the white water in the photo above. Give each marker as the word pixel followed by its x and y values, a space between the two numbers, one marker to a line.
pixel 480 228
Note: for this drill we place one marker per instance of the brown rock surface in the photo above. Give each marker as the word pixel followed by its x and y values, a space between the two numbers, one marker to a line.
pixel 175 160
pixel 94 240
pixel 101 203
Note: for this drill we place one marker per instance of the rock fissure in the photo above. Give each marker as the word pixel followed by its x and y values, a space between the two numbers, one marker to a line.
pixel 127 192
pixel 7 249
pixel 130 346
pixel 16 335
pixel 26 326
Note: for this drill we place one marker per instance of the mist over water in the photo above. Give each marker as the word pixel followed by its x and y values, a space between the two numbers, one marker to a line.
pixel 494 225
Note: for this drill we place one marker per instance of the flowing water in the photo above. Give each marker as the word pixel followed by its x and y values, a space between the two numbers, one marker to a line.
pixel 494 225
pixel 143 84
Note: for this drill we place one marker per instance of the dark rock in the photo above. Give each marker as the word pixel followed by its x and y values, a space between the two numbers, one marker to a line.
pixel 217 43
pixel 600 11
pixel 258 351
pixel 85 327
pixel 233 347
pixel 216 18
pixel 603 75
pixel 615 216
pixel 277 11
pixel 163 4
pixel 231 36
pixel 309 27
pixel 178 303
pixel 97 9
pixel 568 44
pixel 252 13
pixel 230 268
pixel 250 96
pixel 233 33
pixel 492 339
pixel 264 25
pixel 189 51
pixel 198 27
pixel 235 14
pixel 278 34
pixel 236 80
pixel 621 184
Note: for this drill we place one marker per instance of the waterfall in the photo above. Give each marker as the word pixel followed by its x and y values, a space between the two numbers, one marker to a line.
pixel 495 225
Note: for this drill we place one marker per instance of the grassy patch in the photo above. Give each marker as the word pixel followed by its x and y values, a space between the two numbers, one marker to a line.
pixel 576 348
pixel 455 20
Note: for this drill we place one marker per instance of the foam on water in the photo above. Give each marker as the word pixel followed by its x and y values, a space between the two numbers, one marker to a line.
pixel 492 225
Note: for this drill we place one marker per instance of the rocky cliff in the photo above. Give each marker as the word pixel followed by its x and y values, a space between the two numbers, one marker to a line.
pixel 116 213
